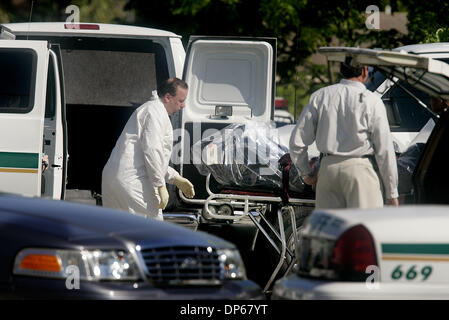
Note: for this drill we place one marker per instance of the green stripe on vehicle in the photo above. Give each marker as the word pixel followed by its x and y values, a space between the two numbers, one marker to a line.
pixel 19 160
pixel 416 248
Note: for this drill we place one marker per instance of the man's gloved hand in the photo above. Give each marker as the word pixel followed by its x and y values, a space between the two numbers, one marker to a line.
pixel 163 194
pixel 185 186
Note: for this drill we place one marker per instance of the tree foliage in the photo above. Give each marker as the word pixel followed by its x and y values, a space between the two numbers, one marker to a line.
pixel 425 18
pixel 300 26
pixel 440 35
pixel 105 11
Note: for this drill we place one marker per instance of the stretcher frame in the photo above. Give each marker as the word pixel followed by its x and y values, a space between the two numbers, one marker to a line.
pixel 253 207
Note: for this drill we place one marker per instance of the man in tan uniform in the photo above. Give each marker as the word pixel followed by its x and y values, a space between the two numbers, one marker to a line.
pixel 350 127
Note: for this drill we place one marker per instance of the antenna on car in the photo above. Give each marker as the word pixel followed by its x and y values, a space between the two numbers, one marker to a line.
pixel 29 20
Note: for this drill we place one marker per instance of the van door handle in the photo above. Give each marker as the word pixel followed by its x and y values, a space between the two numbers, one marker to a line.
pixel 56 166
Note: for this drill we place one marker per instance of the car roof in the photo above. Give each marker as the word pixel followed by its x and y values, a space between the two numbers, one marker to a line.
pixel 59 28
pixel 424 48
pixel 420 223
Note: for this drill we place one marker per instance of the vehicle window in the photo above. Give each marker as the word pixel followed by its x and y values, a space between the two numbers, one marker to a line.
pixel 95 77
pixel 375 79
pixel 404 113
pixel 109 71
pixel 50 102
pixel 18 80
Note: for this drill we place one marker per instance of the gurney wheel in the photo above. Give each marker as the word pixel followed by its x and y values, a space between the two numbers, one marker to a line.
pixel 225 210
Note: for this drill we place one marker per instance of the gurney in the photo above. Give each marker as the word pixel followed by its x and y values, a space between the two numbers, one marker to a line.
pixel 256 190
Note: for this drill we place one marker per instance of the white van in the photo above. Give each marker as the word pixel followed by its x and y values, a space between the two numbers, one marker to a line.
pixel 73 88
pixel 68 89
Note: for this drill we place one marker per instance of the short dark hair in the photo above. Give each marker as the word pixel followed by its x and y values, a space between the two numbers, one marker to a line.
pixel 349 71
pixel 170 86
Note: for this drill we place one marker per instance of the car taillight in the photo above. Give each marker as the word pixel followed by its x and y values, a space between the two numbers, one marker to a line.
pixel 82 26
pixel 353 252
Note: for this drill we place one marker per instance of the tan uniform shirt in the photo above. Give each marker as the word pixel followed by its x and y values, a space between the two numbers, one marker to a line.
pixel 346 119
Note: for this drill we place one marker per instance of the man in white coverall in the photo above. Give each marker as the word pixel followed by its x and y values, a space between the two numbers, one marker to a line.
pixel 135 175
pixel 350 127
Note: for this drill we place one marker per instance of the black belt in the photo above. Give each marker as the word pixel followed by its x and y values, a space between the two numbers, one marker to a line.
pixel 368 156
pixel 330 154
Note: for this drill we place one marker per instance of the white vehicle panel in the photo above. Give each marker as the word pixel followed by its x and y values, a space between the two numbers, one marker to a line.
pixel 412 242
pixel 299 288
pixel 177 52
pixel 21 152
pixel 231 73
pixel 58 28
pixel 405 223
pixel 54 140
pixel 427 48
pixel 19 181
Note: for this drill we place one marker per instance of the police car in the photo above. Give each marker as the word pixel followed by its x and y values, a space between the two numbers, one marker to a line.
pixel 393 252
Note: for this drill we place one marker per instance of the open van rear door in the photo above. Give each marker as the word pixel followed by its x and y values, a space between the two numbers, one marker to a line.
pixel 55 135
pixel 426 74
pixel 23 83
pixel 231 80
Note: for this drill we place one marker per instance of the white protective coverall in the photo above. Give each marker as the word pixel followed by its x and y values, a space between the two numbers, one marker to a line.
pixel 138 164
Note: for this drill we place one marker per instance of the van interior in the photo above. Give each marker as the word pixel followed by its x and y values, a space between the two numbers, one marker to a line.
pixel 105 80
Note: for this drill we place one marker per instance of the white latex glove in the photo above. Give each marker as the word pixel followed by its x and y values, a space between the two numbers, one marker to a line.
pixel 163 194
pixel 185 186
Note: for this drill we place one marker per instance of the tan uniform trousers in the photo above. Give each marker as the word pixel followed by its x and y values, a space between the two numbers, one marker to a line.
pixel 347 182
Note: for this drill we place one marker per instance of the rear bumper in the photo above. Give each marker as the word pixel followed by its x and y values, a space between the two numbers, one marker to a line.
pixel 31 288
pixel 294 287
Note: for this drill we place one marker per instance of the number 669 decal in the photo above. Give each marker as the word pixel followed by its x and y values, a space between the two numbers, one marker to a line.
pixel 412 273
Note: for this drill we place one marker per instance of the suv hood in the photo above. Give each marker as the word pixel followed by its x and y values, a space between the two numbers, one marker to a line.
pixel 426 74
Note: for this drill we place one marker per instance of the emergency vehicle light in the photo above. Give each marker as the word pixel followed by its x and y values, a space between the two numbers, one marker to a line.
pixel 81 26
